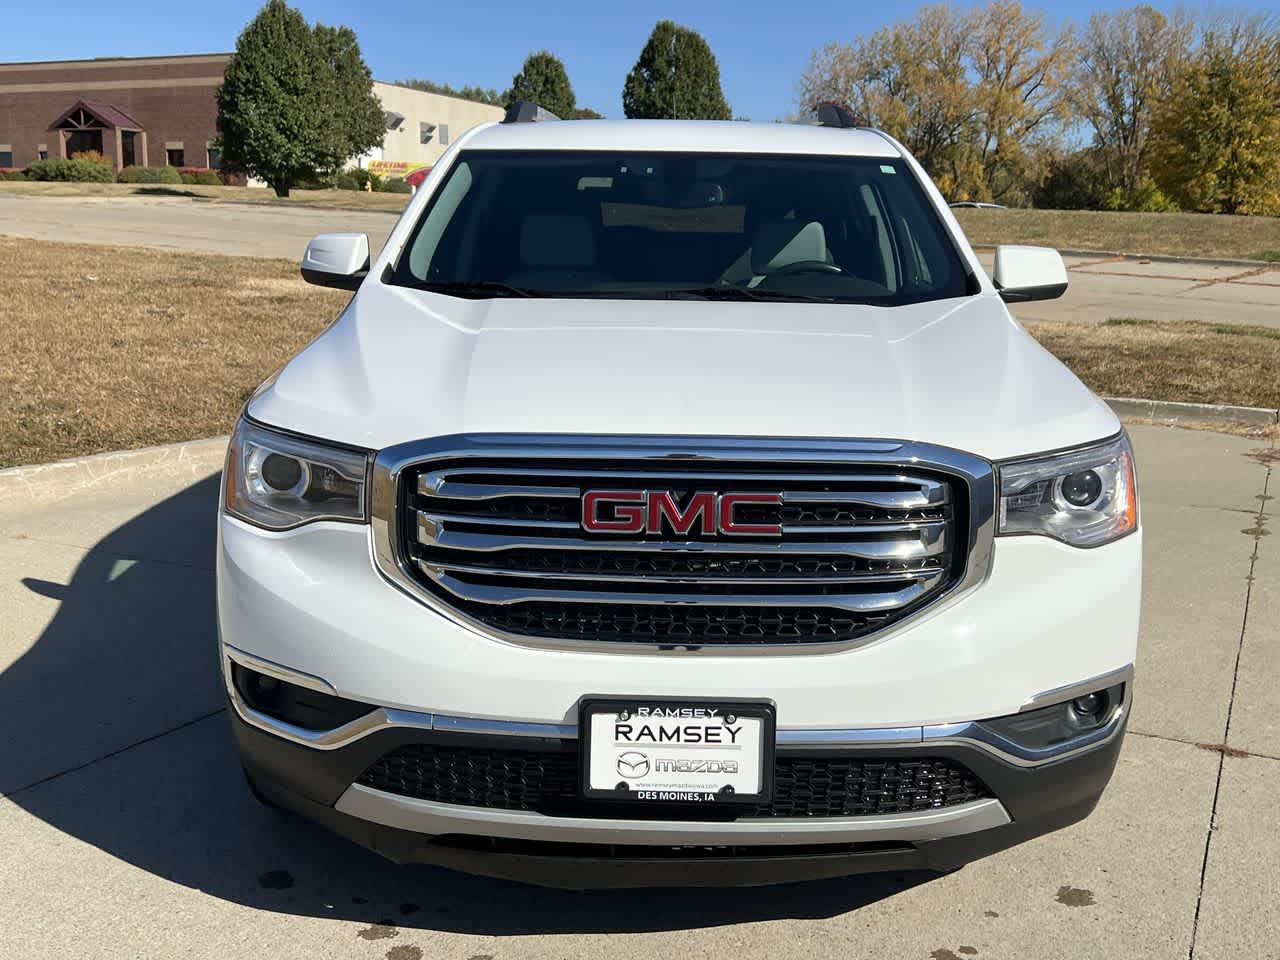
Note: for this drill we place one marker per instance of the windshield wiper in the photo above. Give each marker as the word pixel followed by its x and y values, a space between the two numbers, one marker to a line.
pixel 744 293
pixel 463 288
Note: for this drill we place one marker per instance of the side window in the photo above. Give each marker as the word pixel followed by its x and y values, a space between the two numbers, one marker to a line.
pixel 442 210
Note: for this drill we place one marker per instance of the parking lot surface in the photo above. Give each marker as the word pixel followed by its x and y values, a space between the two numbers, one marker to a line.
pixel 1101 287
pixel 128 831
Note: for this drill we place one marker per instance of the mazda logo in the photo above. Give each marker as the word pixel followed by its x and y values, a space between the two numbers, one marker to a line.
pixel 633 765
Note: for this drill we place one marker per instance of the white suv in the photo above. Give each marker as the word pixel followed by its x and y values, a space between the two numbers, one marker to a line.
pixel 678 503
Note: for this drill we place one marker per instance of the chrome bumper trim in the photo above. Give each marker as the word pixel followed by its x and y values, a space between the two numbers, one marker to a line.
pixel 1072 690
pixel 427 817
pixel 970 733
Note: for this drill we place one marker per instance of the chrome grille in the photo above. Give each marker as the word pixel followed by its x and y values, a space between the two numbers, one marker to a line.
pixel 493 532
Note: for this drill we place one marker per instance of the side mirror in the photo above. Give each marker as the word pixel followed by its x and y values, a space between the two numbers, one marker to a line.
pixel 339 260
pixel 1029 273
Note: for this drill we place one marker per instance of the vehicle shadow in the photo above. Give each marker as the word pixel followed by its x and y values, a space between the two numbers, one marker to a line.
pixel 116 736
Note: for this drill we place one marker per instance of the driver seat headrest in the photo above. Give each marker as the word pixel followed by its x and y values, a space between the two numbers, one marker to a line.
pixel 779 243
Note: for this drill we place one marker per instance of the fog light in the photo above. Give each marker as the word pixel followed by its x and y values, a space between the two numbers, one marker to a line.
pixel 1091 704
pixel 265 687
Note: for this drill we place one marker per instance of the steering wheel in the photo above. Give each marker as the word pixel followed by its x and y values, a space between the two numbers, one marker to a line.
pixel 805 266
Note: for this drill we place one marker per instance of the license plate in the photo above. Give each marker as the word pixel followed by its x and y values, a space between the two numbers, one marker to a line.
pixel 677 751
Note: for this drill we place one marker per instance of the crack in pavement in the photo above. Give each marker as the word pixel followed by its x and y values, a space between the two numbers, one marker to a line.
pixel 185 564
pixel 113 753
pixel 1218 747
pixel 1260 518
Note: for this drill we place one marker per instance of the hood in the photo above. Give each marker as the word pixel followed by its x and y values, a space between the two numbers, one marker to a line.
pixel 403 365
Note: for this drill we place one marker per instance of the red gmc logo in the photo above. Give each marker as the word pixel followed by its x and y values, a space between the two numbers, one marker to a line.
pixel 656 511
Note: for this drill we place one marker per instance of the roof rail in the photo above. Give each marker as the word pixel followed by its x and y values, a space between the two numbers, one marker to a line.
pixel 832 113
pixel 526 111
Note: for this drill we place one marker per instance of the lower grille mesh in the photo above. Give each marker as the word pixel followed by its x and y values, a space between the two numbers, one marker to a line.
pixel 697 626
pixel 547 782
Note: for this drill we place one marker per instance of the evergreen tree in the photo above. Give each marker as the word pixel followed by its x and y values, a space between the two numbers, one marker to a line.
pixel 676 76
pixel 543 80
pixel 295 101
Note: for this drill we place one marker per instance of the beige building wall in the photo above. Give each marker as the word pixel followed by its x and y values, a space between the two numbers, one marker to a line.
pixel 431 123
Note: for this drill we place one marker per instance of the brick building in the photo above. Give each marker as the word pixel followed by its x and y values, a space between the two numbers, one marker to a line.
pixel 144 111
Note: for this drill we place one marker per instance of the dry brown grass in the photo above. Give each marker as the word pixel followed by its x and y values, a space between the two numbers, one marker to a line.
pixel 105 348
pixel 352 199
pixel 1171 234
pixel 1193 362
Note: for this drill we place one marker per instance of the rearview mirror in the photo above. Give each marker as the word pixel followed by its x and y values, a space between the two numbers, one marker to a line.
pixel 1029 273
pixel 339 260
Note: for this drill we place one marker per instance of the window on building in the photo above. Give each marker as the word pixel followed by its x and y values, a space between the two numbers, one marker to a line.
pixel 175 157
pixel 443 133
pixel 128 148
pixel 84 141
pixel 6 158
pixel 43 152
pixel 215 159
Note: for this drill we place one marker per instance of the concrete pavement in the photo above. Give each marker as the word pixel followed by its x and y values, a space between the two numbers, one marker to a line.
pixel 128 832
pixel 177 223
pixel 1100 287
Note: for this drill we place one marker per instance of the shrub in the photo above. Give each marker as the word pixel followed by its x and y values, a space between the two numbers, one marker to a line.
pixel 90 156
pixel 208 178
pixel 356 178
pixel 165 174
pixel 82 171
pixel 12 175
pixel 395 185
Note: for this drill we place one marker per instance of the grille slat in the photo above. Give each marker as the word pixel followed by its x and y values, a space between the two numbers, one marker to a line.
pixel 437 568
pixel 854 550
pixel 905 543
pixel 909 590
pixel 548 782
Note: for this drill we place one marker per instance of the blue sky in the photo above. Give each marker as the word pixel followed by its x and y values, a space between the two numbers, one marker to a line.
pixel 762 45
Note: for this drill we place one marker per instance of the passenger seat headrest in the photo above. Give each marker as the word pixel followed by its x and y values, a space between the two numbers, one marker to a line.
pixel 557 240
pixel 777 243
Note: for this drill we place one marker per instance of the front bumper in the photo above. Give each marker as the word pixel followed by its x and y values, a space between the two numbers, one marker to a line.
pixel 1026 797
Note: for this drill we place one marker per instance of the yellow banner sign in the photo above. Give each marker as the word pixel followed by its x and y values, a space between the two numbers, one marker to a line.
pixel 395 168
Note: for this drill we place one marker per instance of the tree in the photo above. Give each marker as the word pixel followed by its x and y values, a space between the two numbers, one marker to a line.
pixel 295 101
pixel 1216 141
pixel 357 121
pixel 1123 70
pixel 976 96
pixel 489 95
pixel 543 80
pixel 676 76
pixel 1019 67
pixel 910 80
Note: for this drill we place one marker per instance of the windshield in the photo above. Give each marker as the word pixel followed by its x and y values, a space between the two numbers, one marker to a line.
pixel 675 225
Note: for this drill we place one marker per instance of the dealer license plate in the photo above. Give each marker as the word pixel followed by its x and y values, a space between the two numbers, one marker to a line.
pixel 686 751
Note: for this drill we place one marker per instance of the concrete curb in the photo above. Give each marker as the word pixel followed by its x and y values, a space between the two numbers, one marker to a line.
pixel 1155 257
pixel 48 483
pixel 1175 412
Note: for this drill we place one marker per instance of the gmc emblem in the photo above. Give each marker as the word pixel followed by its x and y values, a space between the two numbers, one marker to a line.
pixel 657 511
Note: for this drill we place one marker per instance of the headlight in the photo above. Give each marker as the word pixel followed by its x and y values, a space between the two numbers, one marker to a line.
pixel 1083 497
pixel 277 481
